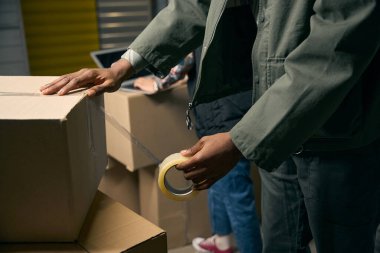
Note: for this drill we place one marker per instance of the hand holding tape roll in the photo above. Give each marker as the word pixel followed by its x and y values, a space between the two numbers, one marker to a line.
pixel 169 191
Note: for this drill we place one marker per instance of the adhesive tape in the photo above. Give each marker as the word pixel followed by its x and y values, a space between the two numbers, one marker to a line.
pixel 169 191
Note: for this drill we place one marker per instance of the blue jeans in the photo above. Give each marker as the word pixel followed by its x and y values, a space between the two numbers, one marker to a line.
pixel 233 209
pixel 329 196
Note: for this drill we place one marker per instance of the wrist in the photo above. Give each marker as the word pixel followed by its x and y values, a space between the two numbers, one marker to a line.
pixel 122 69
pixel 232 146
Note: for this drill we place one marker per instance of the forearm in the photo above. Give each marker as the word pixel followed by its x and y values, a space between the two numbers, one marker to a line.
pixel 173 33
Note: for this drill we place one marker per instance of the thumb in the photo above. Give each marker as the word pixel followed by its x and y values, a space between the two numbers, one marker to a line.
pixel 192 150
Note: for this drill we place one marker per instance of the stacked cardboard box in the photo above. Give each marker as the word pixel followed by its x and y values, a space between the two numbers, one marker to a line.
pixel 121 185
pixel 146 129
pixel 141 131
pixel 52 157
pixel 182 220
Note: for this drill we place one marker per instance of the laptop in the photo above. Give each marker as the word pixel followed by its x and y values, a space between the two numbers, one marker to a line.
pixel 105 57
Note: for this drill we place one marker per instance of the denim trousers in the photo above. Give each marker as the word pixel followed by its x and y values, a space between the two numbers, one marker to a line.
pixel 332 197
pixel 377 240
pixel 233 209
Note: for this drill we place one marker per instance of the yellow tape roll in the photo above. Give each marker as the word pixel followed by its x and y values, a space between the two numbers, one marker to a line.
pixel 169 191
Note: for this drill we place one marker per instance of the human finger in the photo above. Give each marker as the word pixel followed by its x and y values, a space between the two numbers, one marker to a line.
pixel 54 86
pixel 194 158
pixel 195 174
pixel 97 89
pixel 193 150
pixel 189 164
pixel 204 185
pixel 83 78
pixel 110 86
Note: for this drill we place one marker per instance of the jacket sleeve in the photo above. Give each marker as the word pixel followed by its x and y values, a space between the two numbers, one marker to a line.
pixel 344 37
pixel 173 33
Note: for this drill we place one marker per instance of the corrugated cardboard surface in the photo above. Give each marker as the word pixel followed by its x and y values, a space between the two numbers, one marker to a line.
pixel 52 158
pixel 109 228
pixel 132 231
pixel 121 185
pixel 157 123
pixel 182 220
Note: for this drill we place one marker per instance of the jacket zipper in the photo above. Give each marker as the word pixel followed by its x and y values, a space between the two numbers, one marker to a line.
pixel 189 123
pixel 256 83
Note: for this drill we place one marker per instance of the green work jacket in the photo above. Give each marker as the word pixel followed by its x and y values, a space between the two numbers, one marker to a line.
pixel 312 69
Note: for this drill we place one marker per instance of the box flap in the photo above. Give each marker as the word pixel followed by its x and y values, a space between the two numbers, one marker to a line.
pixel 20 98
pixel 111 227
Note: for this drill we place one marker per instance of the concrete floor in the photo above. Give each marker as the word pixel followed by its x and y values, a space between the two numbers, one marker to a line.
pixel 186 249
pixel 189 249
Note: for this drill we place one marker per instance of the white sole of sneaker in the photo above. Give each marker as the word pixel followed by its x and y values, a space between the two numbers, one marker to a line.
pixel 198 249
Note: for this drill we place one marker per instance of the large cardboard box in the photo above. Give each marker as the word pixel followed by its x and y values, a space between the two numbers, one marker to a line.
pixel 109 228
pixel 182 220
pixel 144 129
pixel 121 185
pixel 52 153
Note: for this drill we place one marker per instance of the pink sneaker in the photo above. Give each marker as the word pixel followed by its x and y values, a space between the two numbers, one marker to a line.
pixel 208 245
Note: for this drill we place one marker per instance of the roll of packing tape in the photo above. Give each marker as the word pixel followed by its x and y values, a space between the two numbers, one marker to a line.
pixel 169 191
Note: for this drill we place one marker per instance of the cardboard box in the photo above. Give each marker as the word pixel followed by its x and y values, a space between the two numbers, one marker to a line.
pixel 139 190
pixel 109 228
pixel 52 158
pixel 149 128
pixel 182 220
pixel 121 185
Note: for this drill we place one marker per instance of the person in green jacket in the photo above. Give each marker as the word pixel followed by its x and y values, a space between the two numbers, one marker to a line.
pixel 313 128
